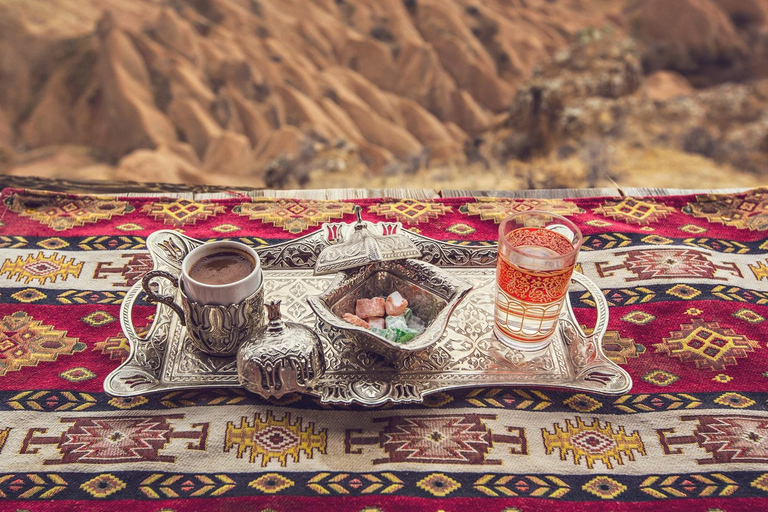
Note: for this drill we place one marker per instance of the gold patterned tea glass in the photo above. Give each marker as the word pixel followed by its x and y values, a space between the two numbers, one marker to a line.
pixel 537 253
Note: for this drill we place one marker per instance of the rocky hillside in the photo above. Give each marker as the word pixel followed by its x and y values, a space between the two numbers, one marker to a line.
pixel 527 93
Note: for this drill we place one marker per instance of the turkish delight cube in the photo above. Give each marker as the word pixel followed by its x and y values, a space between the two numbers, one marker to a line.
pixel 396 322
pixel 377 322
pixel 370 308
pixel 356 320
pixel 396 304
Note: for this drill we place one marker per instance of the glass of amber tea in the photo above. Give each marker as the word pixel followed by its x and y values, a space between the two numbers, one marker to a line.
pixel 537 253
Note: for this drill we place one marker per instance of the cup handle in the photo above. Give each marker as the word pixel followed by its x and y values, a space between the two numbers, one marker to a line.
pixel 601 325
pixel 164 299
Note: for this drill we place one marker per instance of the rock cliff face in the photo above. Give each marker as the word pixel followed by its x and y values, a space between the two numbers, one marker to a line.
pixel 255 92
pixel 592 97
pixel 709 41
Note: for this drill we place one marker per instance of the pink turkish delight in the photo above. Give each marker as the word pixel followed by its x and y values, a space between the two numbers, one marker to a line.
pixel 356 320
pixel 395 304
pixel 370 308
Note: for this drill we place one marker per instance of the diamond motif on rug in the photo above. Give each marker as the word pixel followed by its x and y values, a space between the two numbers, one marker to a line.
pixel 734 400
pixel 583 403
pixel 657 240
pixel 604 487
pixel 182 212
pixel 53 243
pixel 41 268
pixel 749 316
pixel 661 378
pixel 592 442
pixel 78 374
pixel 438 484
pixel 748 212
pixel 634 211
pixel 707 345
pixel 129 226
pixel 410 211
pixel 638 317
pixel 270 438
pixel 271 483
pixel 226 228
pixel 103 485
pixel 61 212
pixel 461 229
pixel 25 341
pixel 98 318
pixel 693 229
pixel 683 291
pixel 293 215
pixel 29 295
pixel 127 402
pixel 498 209
pixel 436 400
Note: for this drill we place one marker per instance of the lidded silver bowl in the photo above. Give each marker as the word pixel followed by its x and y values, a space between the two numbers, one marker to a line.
pixel 370 263
pixel 280 358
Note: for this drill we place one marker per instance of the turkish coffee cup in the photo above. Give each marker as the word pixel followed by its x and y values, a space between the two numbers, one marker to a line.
pixel 222 295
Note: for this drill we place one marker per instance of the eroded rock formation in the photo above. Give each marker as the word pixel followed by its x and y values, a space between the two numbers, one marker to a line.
pixel 233 91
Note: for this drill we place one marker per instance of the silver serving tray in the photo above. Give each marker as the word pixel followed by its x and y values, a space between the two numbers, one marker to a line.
pixel 468 354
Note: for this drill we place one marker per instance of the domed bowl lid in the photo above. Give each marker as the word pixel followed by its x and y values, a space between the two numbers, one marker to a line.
pixel 360 245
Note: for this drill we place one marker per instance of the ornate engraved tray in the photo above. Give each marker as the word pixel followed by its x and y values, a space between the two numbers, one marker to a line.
pixel 468 354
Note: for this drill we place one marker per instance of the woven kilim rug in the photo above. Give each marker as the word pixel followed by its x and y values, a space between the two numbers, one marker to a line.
pixel 686 278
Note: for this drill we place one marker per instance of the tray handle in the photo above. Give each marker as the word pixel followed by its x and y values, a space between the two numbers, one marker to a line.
pixel 601 324
pixel 153 297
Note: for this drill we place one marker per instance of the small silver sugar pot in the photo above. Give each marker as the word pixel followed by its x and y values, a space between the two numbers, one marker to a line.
pixel 280 358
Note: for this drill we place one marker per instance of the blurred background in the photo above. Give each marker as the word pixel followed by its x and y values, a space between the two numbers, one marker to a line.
pixel 475 94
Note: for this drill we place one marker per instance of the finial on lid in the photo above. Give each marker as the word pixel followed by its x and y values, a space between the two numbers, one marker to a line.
pixel 359 215
pixel 365 244
pixel 273 310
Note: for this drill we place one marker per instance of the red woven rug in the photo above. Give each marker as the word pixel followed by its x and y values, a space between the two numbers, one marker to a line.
pixel 686 278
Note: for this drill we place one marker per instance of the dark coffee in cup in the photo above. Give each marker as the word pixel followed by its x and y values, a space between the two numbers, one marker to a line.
pixel 224 267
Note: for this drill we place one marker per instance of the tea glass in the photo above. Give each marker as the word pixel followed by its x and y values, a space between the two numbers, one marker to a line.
pixel 218 317
pixel 536 256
